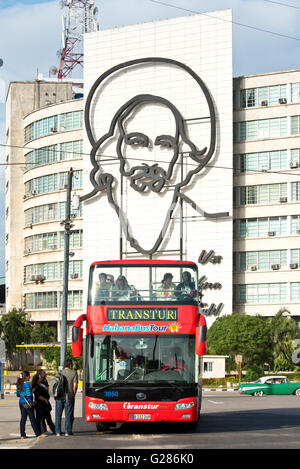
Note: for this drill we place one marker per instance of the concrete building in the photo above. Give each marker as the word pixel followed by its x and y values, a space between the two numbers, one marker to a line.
pixel 267 193
pixel 44 140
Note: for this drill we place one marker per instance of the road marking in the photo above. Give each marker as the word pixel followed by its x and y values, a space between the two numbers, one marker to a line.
pixel 215 402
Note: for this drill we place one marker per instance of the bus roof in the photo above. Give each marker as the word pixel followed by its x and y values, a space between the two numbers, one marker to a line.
pixel 145 262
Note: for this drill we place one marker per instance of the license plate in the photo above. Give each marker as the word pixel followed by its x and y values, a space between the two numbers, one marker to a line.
pixel 141 416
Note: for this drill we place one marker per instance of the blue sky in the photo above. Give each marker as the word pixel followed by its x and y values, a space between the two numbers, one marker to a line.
pixel 30 35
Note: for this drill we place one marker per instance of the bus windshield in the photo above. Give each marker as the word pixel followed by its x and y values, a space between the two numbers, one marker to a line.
pixel 136 284
pixel 139 358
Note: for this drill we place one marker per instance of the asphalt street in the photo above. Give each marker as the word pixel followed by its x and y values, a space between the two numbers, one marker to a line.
pixel 228 420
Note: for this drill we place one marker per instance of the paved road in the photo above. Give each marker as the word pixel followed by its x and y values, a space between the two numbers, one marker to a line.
pixel 228 420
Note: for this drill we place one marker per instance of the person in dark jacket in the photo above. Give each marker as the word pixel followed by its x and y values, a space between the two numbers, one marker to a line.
pixel 24 392
pixel 43 407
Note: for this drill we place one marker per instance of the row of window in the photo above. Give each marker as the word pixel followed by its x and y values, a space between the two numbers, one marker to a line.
pixel 266 94
pixel 49 212
pixel 51 241
pixel 266 194
pixel 54 153
pixel 266 226
pixel 269 95
pixel 266 260
pixel 267 160
pixel 267 293
pixel 53 300
pixel 266 128
pixel 51 271
pixel 51 183
pixel 49 125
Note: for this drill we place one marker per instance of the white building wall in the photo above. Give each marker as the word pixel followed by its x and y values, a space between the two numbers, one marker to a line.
pixel 205 45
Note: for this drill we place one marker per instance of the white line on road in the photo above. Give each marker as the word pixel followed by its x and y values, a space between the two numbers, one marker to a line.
pixel 215 402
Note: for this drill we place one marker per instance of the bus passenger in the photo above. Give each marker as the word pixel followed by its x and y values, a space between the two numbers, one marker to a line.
pixel 186 287
pixel 121 290
pixel 166 291
pixel 104 288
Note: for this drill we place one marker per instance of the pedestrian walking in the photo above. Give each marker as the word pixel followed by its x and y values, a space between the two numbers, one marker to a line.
pixel 67 400
pixel 26 405
pixel 43 407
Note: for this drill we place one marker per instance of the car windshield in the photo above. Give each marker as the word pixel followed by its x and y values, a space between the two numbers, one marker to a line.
pixel 139 358
pixel 136 284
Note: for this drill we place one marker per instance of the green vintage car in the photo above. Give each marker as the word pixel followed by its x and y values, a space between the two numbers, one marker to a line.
pixel 270 385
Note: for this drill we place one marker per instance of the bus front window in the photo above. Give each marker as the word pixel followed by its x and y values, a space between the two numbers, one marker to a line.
pixel 137 358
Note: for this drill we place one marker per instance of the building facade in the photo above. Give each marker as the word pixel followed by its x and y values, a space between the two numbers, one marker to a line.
pixel 44 140
pixel 266 255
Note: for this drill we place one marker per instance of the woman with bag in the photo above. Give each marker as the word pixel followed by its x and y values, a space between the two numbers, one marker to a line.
pixel 26 404
pixel 43 407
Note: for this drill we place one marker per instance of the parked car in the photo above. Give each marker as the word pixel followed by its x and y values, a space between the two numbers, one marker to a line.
pixel 270 385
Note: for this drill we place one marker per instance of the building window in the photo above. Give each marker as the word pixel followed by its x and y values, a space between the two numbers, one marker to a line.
pixel 260 227
pixel 48 125
pixel 52 183
pixel 256 96
pixel 295 224
pixel 295 191
pixel 261 194
pixel 295 291
pixel 260 260
pixel 261 293
pixel 265 128
pixel 271 160
pixel 295 92
pixel 52 300
pixel 208 367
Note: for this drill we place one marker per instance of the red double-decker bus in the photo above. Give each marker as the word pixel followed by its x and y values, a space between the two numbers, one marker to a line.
pixel 145 337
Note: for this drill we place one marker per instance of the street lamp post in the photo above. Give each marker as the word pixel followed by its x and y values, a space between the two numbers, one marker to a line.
pixel 64 312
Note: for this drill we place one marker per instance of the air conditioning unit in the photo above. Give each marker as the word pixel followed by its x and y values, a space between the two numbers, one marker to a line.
pixel 282 100
pixel 54 246
pixel 271 233
pixel 253 267
pixel 264 168
pixel 294 164
pixel 73 276
pixel 53 129
pixel 275 266
pixel 294 266
pixel 34 192
pixel 298 232
pixel 40 278
pixel 283 200
pixel 33 278
pixel 264 102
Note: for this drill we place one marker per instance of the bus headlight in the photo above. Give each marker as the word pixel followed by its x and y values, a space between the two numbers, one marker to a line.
pixel 96 406
pixel 185 405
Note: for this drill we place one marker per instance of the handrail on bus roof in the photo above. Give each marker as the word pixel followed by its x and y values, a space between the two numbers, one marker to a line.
pixel 144 262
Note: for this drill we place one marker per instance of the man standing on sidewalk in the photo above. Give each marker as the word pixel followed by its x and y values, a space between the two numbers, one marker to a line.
pixel 67 401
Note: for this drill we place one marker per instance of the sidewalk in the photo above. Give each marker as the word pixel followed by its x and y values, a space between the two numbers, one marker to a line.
pixel 10 423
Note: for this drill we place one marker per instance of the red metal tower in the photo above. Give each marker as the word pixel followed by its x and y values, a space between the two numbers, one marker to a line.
pixel 80 16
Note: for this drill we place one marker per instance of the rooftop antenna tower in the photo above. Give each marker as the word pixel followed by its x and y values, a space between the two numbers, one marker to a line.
pixel 79 17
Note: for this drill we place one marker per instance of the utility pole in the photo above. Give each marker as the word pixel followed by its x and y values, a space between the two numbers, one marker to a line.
pixel 64 311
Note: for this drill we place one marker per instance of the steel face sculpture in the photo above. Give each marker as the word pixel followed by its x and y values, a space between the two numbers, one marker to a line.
pixel 151 177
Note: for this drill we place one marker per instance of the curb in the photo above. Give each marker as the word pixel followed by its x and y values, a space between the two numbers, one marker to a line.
pixel 220 390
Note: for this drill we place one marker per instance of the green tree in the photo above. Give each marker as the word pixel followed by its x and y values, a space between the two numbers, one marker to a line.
pixel 15 329
pixel 243 335
pixel 43 334
pixel 52 356
pixel 283 330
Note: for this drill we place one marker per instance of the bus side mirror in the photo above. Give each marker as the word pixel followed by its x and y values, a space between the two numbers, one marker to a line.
pixel 77 335
pixel 201 336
